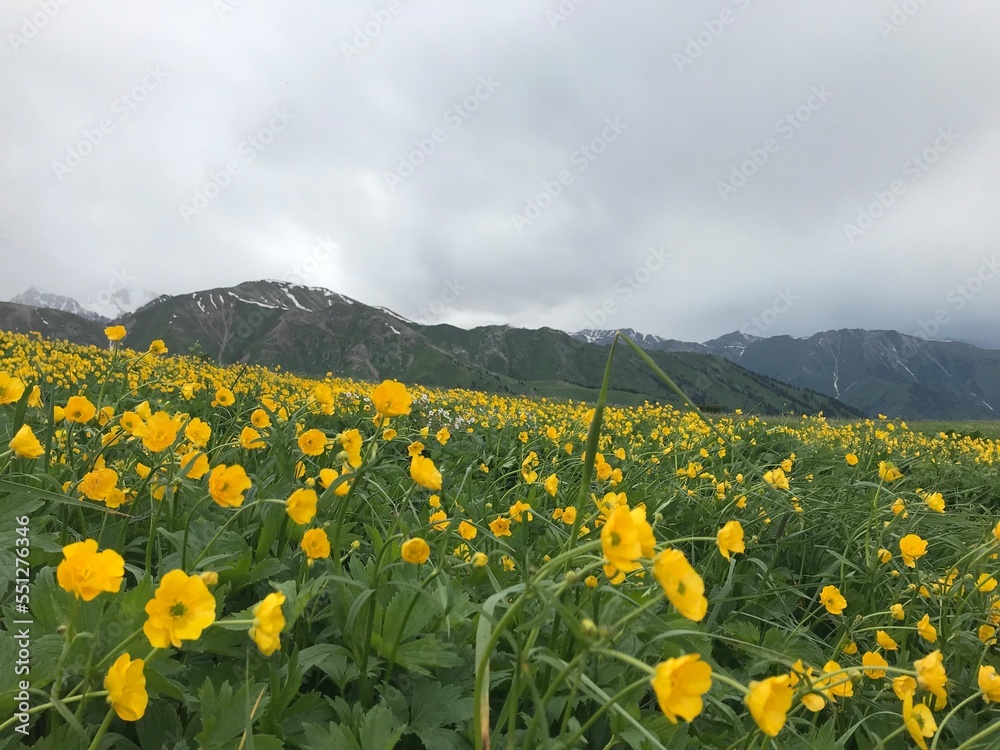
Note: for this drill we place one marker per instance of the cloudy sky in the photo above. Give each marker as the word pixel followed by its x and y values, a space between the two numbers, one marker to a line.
pixel 685 169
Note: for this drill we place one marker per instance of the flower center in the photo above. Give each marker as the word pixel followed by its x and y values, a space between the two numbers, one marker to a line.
pixel 178 610
pixel 615 539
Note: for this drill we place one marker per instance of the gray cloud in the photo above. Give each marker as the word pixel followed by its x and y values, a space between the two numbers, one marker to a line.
pixel 366 86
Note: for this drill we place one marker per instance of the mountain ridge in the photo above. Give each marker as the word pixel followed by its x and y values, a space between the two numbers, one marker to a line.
pixel 314 331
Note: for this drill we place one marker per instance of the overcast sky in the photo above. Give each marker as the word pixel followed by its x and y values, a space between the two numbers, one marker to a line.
pixel 685 169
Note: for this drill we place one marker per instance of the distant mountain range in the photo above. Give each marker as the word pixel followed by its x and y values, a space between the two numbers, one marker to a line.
pixel 108 305
pixel 314 331
pixel 874 371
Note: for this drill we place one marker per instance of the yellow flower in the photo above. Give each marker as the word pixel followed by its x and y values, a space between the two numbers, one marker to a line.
pixel 11 389
pixel 508 563
pixel 887 472
pixel 389 434
pixel 268 622
pixel 812 700
pixel 679 684
pixel 885 641
pixel 831 598
pixel 316 544
pixel 931 677
pixel 443 435
pixel 919 722
pixel 260 419
pixel 873 659
pixel 730 539
pixel 986 634
pixel 519 510
pixel 480 559
pixel 415 551
pixel 157 347
pixel 851 648
pixel 96 484
pixel 777 479
pixel 391 399
pixel 328 477
pixel 996 529
pixel 25 444
pixel 884 555
pixel 551 484
pixel 626 537
pixel 181 608
pixel 851 459
pixel 904 687
pixel 927 631
pixel 35 398
pixel 439 520
pixel 500 526
pixel 226 485
pixel 837 686
pixel 85 572
pixel 912 547
pixel 79 409
pixel 251 440
pixel 126 686
pixel 467 531
pixel 115 333
pixel 769 701
pixel 312 442
pixel 424 473
pixel 896 610
pixel 681 583
pixel 989 683
pixel 223 397
pixel 301 505
pixel 198 462
pixel 159 431
pixel 590 582
pixel 986 583
pixel 935 502
pixel 899 506
pixel 569 515
pixel 197 431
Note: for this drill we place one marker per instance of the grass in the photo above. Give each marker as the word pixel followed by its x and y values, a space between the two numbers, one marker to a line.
pixel 500 571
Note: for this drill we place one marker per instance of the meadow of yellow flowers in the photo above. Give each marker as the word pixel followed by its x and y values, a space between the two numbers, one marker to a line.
pixel 231 557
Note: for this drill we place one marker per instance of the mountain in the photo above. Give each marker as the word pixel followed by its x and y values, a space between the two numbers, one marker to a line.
pixel 107 306
pixel 314 331
pixel 883 371
pixel 873 371
pixel 52 324
pixel 645 340
pixel 37 298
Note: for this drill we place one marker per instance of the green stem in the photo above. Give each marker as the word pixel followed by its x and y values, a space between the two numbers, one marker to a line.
pixel 103 729
pixel 940 728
